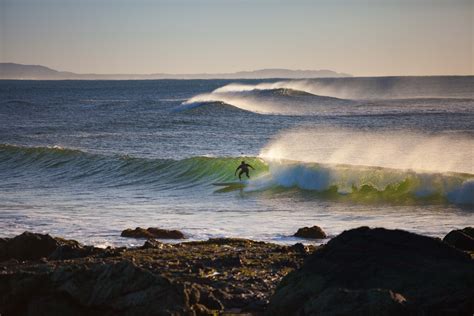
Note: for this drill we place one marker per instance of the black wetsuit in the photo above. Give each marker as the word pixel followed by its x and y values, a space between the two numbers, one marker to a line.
pixel 244 168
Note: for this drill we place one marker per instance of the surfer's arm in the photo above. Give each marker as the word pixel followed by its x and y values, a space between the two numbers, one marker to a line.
pixel 237 170
pixel 251 167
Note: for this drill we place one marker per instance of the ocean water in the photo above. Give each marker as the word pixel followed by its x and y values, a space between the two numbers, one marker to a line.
pixel 87 159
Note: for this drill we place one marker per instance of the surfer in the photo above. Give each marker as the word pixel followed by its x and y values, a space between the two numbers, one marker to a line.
pixel 244 168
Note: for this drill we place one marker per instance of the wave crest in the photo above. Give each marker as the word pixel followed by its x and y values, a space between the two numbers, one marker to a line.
pixel 368 184
pixel 279 101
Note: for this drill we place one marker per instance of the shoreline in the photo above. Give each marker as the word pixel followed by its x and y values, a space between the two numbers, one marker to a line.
pixel 220 276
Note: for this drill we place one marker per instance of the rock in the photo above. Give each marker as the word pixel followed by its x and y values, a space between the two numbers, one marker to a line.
pixel 101 289
pixel 469 231
pixel 377 270
pixel 72 251
pixel 462 239
pixel 201 310
pixel 201 277
pixel 193 293
pixel 31 246
pixel 314 232
pixel 337 301
pixel 152 244
pixel 299 247
pixel 227 261
pixel 210 301
pixel 28 246
pixel 152 232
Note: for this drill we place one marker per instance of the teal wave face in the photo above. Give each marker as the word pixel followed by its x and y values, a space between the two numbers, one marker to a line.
pixel 340 182
pixel 369 184
pixel 73 165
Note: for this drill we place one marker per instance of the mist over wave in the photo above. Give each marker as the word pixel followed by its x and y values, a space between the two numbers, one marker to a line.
pixel 343 96
pixel 370 87
pixel 365 164
pixel 282 101
pixel 365 184
pixel 387 149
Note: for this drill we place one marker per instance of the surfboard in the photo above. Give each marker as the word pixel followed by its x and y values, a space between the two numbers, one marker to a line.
pixel 227 184
pixel 230 186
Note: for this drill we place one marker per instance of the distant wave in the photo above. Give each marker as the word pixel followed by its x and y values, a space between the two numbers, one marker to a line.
pixel 279 101
pixel 356 183
pixel 344 96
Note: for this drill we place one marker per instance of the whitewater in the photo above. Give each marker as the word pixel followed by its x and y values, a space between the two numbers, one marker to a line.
pixel 89 159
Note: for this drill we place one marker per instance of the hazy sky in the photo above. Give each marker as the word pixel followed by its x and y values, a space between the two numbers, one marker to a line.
pixel 377 37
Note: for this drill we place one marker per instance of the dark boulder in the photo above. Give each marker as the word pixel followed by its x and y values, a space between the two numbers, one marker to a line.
pixel 31 246
pixel 337 301
pixel 74 251
pixel 101 289
pixel 227 261
pixel 152 244
pixel 152 232
pixel 379 270
pixel 28 246
pixel 208 299
pixel 314 232
pixel 462 238
pixel 468 231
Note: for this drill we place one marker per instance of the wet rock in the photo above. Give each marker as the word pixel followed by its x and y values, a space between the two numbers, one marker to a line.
pixel 299 247
pixel 256 306
pixel 227 261
pixel 204 277
pixel 469 231
pixel 28 246
pixel 201 310
pixel 337 301
pixel 208 299
pixel 314 232
pixel 152 244
pixel 376 269
pixel 101 289
pixel 31 246
pixel 75 250
pixel 152 232
pixel 462 239
pixel 193 293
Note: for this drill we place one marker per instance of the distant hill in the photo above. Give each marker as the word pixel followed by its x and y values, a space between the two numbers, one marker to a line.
pixel 36 72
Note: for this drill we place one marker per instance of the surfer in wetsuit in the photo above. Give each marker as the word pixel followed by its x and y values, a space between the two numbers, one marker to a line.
pixel 244 168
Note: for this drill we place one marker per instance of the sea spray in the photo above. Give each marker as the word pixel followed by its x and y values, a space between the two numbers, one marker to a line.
pixel 368 88
pixel 382 165
pixel 275 101
pixel 387 149
pixel 326 97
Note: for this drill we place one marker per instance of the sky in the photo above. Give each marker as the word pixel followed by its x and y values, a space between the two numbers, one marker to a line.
pixel 363 38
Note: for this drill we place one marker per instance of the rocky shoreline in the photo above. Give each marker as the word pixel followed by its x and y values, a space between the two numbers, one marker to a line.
pixel 362 271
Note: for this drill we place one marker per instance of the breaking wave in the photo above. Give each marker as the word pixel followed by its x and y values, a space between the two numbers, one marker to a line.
pixel 280 101
pixel 334 181
pixel 343 96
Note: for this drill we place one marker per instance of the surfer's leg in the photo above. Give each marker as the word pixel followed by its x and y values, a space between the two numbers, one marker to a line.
pixel 247 174
pixel 240 175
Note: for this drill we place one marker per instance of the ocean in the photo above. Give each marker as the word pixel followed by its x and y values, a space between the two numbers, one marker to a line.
pixel 88 159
